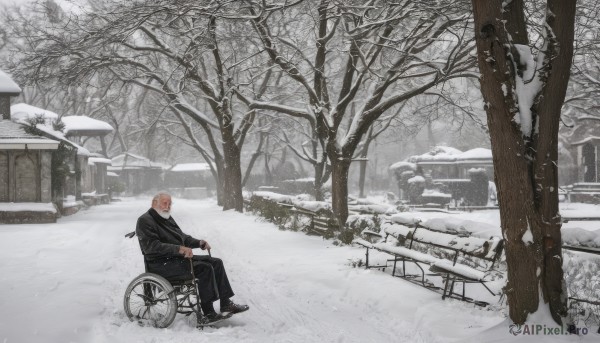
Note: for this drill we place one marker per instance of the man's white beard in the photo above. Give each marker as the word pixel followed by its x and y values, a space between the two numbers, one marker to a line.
pixel 165 214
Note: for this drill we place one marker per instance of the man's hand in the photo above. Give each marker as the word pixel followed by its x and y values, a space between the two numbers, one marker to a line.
pixel 186 252
pixel 204 245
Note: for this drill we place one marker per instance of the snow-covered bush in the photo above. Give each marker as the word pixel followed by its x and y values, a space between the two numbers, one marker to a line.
pixel 402 172
pixel 416 186
pixel 298 186
pixel 431 196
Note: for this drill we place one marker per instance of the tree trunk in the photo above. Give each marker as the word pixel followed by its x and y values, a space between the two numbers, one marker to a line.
pixel 219 175
pixel 232 182
pixel 363 164
pixel 318 184
pixel 525 161
pixel 361 178
pixel 339 188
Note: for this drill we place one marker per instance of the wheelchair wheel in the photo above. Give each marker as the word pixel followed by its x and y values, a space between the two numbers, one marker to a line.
pixel 150 300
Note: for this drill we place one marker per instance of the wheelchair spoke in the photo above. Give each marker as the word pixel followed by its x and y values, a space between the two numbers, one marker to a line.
pixel 151 300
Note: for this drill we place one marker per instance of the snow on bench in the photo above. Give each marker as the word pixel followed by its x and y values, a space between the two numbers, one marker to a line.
pixel 452 237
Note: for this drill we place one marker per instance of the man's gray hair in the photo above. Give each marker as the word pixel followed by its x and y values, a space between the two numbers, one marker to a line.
pixel 159 195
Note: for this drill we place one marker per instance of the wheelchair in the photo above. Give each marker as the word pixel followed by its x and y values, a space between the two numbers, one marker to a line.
pixel 152 300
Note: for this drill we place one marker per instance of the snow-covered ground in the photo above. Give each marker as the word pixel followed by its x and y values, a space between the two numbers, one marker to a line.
pixel 64 282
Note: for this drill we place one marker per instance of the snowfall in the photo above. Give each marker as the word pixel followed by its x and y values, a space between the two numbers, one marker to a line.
pixel 65 282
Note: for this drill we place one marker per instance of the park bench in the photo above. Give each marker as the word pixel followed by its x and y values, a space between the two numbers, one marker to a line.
pixel 455 257
pixel 320 224
pixel 584 301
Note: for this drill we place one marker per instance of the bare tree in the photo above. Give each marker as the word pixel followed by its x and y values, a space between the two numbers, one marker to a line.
pixel 523 99
pixel 178 50
pixel 378 54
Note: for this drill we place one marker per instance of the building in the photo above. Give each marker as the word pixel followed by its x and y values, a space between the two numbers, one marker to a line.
pixel 86 181
pixel 137 173
pixel 189 180
pixel 25 166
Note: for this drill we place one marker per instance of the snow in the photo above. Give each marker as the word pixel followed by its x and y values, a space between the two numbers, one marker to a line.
pixel 579 236
pixel 462 226
pixel 439 153
pixel 527 88
pixel 434 193
pixel 7 85
pixel 403 164
pixel 100 160
pixel 21 112
pixel 185 167
pixel 83 123
pixel 416 179
pixel 476 154
pixel 68 283
pixel 527 236
pixel 81 151
pixel 27 206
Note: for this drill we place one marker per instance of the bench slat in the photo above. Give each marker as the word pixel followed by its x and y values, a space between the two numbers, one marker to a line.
pixel 462 270
pixel 363 242
pixel 404 252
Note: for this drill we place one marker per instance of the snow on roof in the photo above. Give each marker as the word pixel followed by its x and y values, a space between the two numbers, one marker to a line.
pixel 403 164
pixel 112 174
pixel 13 136
pixel 439 153
pixel 81 151
pixel 21 112
pixel 131 161
pixel 78 125
pixel 100 160
pixel 475 154
pixel 444 154
pixel 185 167
pixel 7 85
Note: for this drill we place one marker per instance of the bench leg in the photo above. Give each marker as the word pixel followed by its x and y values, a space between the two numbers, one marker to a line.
pixel 486 287
pixel 394 269
pixel 367 259
pixel 448 291
pixel 446 286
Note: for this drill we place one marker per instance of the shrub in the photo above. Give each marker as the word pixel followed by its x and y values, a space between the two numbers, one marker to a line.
pixel 416 186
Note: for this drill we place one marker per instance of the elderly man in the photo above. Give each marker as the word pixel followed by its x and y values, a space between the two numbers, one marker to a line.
pixel 167 251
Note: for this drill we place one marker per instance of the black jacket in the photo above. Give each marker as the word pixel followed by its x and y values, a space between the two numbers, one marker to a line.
pixel 161 238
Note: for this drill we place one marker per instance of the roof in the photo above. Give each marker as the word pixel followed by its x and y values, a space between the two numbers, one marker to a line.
pixel 186 167
pixel 22 112
pixel 50 132
pixel 85 126
pixel 437 154
pixel 99 160
pixel 131 161
pixel 13 136
pixel 7 85
pixel 475 154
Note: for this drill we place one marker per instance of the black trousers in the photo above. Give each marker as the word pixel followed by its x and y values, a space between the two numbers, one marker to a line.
pixel 210 274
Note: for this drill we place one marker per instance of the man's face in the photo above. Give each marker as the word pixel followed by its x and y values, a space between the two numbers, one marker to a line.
pixel 164 204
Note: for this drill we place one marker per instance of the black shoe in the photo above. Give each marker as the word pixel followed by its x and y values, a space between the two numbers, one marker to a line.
pixel 232 308
pixel 213 317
